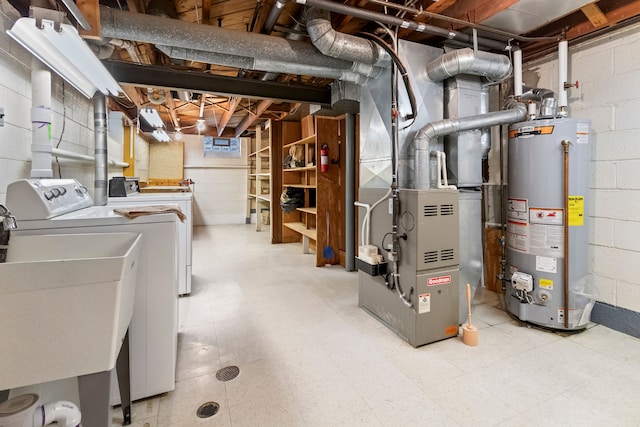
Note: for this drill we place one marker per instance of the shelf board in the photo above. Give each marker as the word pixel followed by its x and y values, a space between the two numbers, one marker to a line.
pixel 311 139
pixel 301 169
pixel 299 227
pixel 313 211
pixel 265 197
pixel 261 152
pixel 299 185
pixel 262 175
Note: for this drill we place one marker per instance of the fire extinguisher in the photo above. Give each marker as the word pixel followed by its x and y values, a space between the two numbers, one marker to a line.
pixel 324 158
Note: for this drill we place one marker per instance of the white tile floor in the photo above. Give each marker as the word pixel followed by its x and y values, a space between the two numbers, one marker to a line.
pixel 310 357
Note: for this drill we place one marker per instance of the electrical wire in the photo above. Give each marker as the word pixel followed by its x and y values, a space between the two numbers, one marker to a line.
pixel 403 73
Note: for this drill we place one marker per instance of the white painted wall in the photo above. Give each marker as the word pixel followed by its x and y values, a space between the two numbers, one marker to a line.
pixel 608 70
pixel 72 123
pixel 220 190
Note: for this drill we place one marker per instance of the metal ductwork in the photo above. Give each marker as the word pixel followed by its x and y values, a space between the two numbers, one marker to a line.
pixel 493 67
pixel 357 73
pixel 425 136
pixel 343 46
pixel 184 40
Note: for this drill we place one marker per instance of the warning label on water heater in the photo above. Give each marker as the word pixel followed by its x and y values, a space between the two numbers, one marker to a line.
pixel 517 208
pixel 576 211
pixel 424 303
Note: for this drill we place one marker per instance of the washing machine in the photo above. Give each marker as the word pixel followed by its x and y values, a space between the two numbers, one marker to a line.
pixel 63 206
pixel 185 229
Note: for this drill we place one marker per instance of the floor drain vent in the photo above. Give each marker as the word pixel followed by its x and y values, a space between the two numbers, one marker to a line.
pixel 208 409
pixel 228 373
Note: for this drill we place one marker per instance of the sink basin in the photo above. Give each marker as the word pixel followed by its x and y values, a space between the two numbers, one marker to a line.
pixel 66 301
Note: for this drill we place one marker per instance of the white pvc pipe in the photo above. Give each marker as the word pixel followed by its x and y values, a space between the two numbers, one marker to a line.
pixel 56 152
pixel 63 413
pixel 517 72
pixel 562 73
pixel 41 117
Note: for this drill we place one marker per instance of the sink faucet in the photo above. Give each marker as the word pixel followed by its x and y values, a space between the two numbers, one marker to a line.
pixel 8 223
pixel 8 220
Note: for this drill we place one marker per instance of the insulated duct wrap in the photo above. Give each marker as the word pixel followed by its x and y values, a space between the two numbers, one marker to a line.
pixel 208 38
pixel 354 73
pixel 493 67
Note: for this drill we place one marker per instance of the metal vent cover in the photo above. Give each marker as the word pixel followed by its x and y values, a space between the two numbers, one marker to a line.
pixel 446 210
pixel 431 256
pixel 228 373
pixel 430 210
pixel 447 254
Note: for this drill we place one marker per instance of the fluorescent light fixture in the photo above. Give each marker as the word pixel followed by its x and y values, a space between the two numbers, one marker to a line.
pixel 152 117
pixel 66 54
pixel 161 135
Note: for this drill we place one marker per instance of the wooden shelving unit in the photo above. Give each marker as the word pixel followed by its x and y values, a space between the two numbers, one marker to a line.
pixel 301 223
pixel 323 193
pixel 259 187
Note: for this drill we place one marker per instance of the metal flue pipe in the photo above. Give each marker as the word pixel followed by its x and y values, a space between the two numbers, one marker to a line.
pixel 493 67
pixel 425 136
pixel 100 129
pixel 401 23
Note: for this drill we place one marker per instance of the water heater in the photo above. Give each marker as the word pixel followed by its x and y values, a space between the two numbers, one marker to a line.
pixel 547 214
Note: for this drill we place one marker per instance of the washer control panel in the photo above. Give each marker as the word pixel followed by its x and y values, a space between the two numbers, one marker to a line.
pixel 46 198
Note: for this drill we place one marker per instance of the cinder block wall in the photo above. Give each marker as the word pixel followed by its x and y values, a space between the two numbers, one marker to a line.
pixel 608 70
pixel 220 190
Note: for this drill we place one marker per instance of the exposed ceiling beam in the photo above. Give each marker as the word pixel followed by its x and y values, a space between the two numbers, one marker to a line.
pixel 615 11
pixel 91 11
pixel 250 118
pixel 142 75
pixel 595 15
pixel 206 11
pixel 233 104
pixel 478 10
pixel 135 6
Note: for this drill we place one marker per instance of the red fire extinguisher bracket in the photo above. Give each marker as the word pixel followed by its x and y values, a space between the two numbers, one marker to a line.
pixel 324 158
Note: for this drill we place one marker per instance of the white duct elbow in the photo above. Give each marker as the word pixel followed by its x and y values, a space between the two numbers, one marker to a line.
pixel 493 67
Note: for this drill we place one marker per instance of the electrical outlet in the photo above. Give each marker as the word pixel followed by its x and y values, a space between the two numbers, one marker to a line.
pixel 1 116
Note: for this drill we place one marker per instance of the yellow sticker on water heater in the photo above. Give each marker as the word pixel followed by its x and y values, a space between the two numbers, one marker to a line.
pixel 576 211
pixel 546 284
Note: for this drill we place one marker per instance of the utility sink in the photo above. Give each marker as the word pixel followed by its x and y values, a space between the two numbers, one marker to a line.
pixel 66 302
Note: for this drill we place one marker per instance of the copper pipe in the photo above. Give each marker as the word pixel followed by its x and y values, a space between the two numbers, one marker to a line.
pixel 565 146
